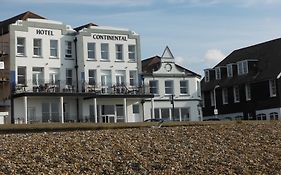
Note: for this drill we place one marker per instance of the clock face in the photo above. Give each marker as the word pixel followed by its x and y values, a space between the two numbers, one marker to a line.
pixel 168 67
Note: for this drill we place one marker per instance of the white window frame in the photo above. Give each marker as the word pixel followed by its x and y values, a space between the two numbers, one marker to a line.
pixel 274 116
pixel 21 76
pixel 152 88
pixel 54 48
pixel 92 78
pixel 248 92
pixel 91 51
pixel 272 88
pixel 229 69
pixel 133 77
pixel 104 51
pixel 119 52
pixel 218 73
pixel 242 67
pixel 207 76
pixel 224 96
pixel 236 94
pixel 212 97
pixel 69 77
pixel 169 88
pixel 68 49
pixel 37 47
pixel 37 76
pixel 21 45
pixel 184 88
pixel 132 53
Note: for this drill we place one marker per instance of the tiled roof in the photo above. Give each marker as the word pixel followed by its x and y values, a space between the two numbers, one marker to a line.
pixel 4 25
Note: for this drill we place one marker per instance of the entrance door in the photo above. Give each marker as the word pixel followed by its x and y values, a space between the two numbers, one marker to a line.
pixel 107 114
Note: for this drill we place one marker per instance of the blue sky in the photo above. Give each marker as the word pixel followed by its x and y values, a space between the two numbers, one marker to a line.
pixel 199 32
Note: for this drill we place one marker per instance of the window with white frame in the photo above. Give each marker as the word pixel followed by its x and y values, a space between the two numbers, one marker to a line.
pixel 207 75
pixel 104 51
pixel 185 113
pixel 68 49
pixel 261 116
pixel 229 70
pixel 224 96
pixel 132 52
pixel 218 73
pixel 53 48
pixel 37 47
pixel 91 51
pixel 54 76
pixel 120 77
pixel 169 87
pixel 273 116
pixel 133 77
pixel 212 97
pixel 37 76
pixel 184 84
pixel 20 46
pixel 21 75
pixel 272 88
pixel 236 94
pixel 242 67
pixel 136 109
pixel 92 76
pixel 119 52
pixel 153 86
pixel 198 88
pixel 248 92
pixel 69 77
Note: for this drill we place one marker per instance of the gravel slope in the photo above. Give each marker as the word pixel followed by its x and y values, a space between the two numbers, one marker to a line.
pixel 247 148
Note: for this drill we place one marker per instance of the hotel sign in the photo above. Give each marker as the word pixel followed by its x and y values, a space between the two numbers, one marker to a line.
pixel 44 32
pixel 110 37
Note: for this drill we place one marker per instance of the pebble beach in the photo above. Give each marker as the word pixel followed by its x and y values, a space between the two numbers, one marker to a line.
pixel 232 148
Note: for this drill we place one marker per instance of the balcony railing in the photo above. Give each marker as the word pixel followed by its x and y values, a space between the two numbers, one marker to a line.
pixel 115 89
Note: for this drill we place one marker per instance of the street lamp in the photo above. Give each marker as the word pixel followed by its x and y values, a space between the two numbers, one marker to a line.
pixel 173 106
pixel 215 101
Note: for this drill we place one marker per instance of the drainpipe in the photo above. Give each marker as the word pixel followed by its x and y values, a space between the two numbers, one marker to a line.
pixel 77 84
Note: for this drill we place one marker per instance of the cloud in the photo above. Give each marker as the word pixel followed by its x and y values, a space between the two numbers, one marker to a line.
pixel 213 56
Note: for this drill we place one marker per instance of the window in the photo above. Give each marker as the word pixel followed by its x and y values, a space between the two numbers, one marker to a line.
pixel 106 81
pixel 273 116
pixel 68 76
pixel 198 88
pixel 229 70
pixel 91 50
pixel 54 48
pixel 120 77
pixel 92 77
pixel 54 76
pixel 261 117
pixel 104 51
pixel 132 52
pixel 133 78
pixel 236 94
pixel 218 73
pixel 184 87
pixel 212 96
pixel 37 76
pixel 184 114
pixel 156 113
pixel 50 112
pixel 153 86
pixel 272 88
pixel 224 96
pixel 207 76
pixel 165 113
pixel 248 92
pixel 37 47
pixel 136 109
pixel 119 52
pixel 20 46
pixel 22 75
pixel 169 84
pixel 242 67
pixel 68 49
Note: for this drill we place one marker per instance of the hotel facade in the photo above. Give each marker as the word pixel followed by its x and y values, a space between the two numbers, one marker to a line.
pixel 51 72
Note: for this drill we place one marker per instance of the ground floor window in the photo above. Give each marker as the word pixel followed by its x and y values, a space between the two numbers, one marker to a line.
pixel 167 113
pixel 261 117
pixel 185 114
pixel 50 112
pixel 273 116
pixel 120 113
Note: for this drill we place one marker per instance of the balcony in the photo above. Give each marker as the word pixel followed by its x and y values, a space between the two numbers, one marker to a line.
pixel 115 89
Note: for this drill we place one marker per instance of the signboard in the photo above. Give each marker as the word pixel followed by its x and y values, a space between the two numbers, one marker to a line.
pixel 216 112
pixel 2 65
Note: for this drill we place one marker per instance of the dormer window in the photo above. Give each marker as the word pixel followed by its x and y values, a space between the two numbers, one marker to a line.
pixel 242 67
pixel 207 76
pixel 218 73
pixel 229 70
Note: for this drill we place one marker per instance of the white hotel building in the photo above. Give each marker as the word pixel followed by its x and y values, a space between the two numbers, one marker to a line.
pixel 50 72
pixel 53 73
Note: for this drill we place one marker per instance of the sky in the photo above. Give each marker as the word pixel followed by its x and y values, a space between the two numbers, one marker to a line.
pixel 199 33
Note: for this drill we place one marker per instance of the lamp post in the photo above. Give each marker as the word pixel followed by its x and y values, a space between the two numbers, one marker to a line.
pixel 215 101
pixel 173 106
